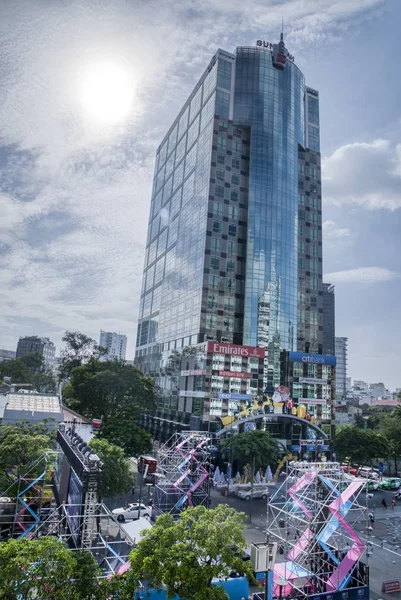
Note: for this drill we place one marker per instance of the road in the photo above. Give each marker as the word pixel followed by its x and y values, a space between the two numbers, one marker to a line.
pixel 385 562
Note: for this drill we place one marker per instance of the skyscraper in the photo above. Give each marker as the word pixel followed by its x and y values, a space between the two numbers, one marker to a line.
pixel 115 344
pixel 36 345
pixel 234 248
pixel 341 368
pixel 329 319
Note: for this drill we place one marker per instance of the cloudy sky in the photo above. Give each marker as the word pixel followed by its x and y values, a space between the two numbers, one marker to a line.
pixel 87 90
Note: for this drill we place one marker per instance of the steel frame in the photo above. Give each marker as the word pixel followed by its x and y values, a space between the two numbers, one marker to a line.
pixel 185 465
pixel 312 515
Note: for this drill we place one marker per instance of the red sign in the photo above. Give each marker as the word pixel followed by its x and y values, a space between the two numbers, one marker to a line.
pixel 237 374
pixel 231 350
pixel 390 586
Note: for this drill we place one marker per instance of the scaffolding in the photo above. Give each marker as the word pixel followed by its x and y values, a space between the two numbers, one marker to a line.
pixel 185 464
pixel 312 518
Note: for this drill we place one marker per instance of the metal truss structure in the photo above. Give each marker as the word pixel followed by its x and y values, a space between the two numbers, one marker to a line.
pixel 185 465
pixel 312 516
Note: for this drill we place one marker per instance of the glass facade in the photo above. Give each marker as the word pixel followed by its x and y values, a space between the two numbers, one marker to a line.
pixel 233 252
pixel 271 102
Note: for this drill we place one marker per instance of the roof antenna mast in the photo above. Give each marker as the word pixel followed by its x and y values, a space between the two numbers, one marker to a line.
pixel 282 29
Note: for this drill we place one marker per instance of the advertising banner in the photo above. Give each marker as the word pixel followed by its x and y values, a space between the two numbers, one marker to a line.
pixel 237 374
pixel 312 401
pixel 314 359
pixel 225 396
pixel 193 372
pixel 312 380
pixel 192 394
pixel 233 350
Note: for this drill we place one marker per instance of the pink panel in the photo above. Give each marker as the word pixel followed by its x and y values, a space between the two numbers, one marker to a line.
pixel 302 543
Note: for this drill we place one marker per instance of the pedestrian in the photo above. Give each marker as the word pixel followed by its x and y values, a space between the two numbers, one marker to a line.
pixel 393 503
pixel 371 518
pixel 384 503
pixel 133 490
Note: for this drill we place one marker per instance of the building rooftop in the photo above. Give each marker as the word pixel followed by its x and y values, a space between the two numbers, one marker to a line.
pixel 33 402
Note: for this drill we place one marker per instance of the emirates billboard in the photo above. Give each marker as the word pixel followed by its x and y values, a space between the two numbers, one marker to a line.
pixel 233 350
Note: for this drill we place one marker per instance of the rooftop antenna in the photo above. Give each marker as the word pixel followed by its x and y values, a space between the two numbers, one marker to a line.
pixel 282 29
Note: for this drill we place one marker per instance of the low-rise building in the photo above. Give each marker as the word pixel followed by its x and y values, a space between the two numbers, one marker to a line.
pixel 6 355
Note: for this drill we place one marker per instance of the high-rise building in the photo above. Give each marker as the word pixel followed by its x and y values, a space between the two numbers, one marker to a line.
pixel 329 319
pixel 115 344
pixel 341 348
pixel 37 345
pixel 234 247
pixel 7 355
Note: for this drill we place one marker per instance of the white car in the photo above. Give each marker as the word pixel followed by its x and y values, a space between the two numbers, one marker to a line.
pixel 132 511
pixel 257 492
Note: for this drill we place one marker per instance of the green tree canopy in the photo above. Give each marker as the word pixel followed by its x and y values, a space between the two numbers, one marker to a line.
pixel 391 429
pixel 20 447
pixel 110 389
pixel 47 569
pixel 255 445
pixel 116 477
pixel 79 350
pixel 124 433
pixel 29 369
pixel 360 445
pixel 184 556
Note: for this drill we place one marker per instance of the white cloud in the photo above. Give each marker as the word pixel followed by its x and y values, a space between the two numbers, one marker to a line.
pixel 83 270
pixel 364 173
pixel 362 275
pixel 331 231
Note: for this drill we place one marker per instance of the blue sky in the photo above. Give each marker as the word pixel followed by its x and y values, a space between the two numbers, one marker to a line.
pixel 76 177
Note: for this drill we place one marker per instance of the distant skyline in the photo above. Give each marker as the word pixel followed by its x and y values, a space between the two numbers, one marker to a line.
pixel 86 95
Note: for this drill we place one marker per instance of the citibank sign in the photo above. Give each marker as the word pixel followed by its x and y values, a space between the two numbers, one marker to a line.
pixel 314 359
pixel 233 350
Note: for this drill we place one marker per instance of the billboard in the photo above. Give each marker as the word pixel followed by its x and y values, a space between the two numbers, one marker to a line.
pixel 74 506
pixel 233 350
pixel 314 359
pixel 61 477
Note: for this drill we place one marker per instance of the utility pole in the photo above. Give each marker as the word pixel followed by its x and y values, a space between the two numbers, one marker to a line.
pixel 252 477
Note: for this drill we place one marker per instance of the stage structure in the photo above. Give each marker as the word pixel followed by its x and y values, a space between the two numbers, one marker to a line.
pixel 185 464
pixel 311 518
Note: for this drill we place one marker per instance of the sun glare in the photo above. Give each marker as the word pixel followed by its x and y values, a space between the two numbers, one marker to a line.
pixel 107 92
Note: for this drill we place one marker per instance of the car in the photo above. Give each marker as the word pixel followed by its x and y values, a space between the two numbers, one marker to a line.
pixel 371 485
pixel 248 493
pixel 132 511
pixel 392 483
pixel 368 473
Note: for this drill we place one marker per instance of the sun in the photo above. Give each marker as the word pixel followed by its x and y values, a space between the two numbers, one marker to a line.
pixel 107 92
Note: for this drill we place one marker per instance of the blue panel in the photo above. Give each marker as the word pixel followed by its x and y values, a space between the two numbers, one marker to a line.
pixel 317 359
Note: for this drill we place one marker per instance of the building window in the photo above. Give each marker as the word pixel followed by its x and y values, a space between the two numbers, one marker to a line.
pixel 233 212
pixel 220 174
pixel 230 284
pixel 301 199
pixel 211 321
pixel 229 303
pixel 212 301
pixel 219 191
pixel 235 179
pixel 230 265
pixel 232 230
pixel 215 244
pixel 235 163
pixel 232 247
pixel 223 125
pixel 217 226
pixel 218 208
pixel 234 195
pixel 221 158
pixel 215 263
pixel 236 146
pixel 221 142
pixel 214 282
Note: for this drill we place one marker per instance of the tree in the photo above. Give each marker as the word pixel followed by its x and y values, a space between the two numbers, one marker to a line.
pixel 47 569
pixel 20 447
pixel 110 389
pixel 360 422
pixel 130 437
pixel 78 351
pixel 184 556
pixel 391 428
pixel 360 445
pixel 255 445
pixel 116 477
pixel 29 369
